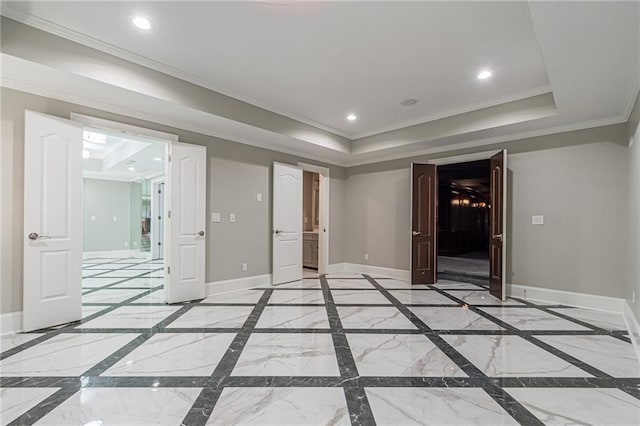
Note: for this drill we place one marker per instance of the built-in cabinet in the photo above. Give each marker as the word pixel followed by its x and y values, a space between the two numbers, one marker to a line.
pixel 310 250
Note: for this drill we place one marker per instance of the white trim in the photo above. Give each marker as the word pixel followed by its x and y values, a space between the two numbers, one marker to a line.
pixel 116 253
pixel 121 128
pixel 633 327
pixel 323 241
pixel 226 286
pixel 11 323
pixel 377 271
pixel 570 298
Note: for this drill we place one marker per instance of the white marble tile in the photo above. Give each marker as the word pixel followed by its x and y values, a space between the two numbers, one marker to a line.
pixel 153 297
pixel 431 297
pixel 105 266
pixel 144 266
pixel 90 310
pixel 511 356
pixel 480 297
pixel 309 274
pixel 400 355
pixel 373 317
pixel 154 274
pixel 139 316
pixel 359 297
pixel 14 402
pixel 344 275
pixel 121 273
pixel 436 406
pixel 454 318
pixel 110 296
pixel 606 320
pixel 243 296
pixel 131 260
pixel 98 282
pixel 350 283
pixel 532 319
pixel 312 296
pixel 63 355
pixel 293 317
pixel 140 282
pixel 579 406
pixel 213 317
pixel 606 353
pixel 455 285
pixel 393 283
pixel 281 406
pixel 179 354
pixel 11 340
pixel 124 406
pixel 291 354
pixel 305 283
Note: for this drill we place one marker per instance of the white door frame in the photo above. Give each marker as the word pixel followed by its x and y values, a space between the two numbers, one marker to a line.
pixel 323 223
pixel 465 158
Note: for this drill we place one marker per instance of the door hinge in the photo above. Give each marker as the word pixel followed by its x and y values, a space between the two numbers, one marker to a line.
pixel 159 192
pixel 169 158
pixel 169 214
pixel 168 269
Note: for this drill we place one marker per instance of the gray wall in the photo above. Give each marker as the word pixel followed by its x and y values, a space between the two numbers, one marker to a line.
pixel 106 200
pixel 236 173
pixel 634 211
pixel 580 188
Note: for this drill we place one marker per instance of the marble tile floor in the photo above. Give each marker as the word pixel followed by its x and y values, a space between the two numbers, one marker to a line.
pixel 328 350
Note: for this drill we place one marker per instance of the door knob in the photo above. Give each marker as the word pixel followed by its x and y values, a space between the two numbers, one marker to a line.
pixel 499 236
pixel 416 233
pixel 35 236
pixel 201 233
pixel 278 232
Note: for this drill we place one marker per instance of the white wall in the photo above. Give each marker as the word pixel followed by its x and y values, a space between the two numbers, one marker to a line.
pixel 103 201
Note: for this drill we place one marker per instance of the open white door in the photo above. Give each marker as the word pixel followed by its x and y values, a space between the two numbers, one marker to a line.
pixel 185 205
pixel 287 223
pixel 52 221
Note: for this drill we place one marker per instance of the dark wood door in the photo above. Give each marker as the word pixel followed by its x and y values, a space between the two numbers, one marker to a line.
pixel 423 238
pixel 497 226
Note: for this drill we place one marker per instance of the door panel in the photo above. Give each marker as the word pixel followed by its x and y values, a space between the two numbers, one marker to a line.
pixel 423 239
pixel 185 189
pixel 497 244
pixel 52 221
pixel 287 223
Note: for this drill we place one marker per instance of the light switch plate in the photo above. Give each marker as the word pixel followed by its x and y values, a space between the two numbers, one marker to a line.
pixel 93 218
pixel 232 217
pixel 215 217
pixel 259 197
pixel 244 267
pixel 115 218
pixel 537 220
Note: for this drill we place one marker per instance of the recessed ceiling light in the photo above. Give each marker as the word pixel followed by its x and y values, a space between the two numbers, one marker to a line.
pixel 158 159
pixel 141 22
pixel 484 75
pixel 132 169
pixel 352 117
pixel 86 153
pixel 409 102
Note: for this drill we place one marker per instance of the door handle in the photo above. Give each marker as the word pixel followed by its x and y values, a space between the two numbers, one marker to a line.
pixel 35 236
pixel 499 236
pixel 201 233
pixel 416 233
pixel 278 232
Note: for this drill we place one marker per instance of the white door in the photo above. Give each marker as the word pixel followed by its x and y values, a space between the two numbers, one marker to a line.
pixel 287 223
pixel 185 196
pixel 52 221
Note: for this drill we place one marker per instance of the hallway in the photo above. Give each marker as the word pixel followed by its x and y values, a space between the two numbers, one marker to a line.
pixel 338 349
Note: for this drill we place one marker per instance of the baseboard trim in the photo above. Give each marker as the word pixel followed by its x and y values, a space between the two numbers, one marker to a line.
pixel 569 298
pixel 10 323
pixel 400 274
pixel 116 253
pixel 244 283
pixel 633 327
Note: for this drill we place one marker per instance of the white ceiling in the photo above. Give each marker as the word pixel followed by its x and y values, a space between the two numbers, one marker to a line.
pixel 317 61
pixel 123 158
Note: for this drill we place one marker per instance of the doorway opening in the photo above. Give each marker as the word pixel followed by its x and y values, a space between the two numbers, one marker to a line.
pixel 464 202
pixel 310 223
pixel 123 212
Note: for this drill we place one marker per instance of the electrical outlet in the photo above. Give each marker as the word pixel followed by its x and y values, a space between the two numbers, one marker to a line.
pixel 366 256
pixel 93 218
pixel 259 197
pixel 537 220
pixel 232 217
pixel 525 294
pixel 215 217
pixel 126 243
pixel 244 267
pixel 115 218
